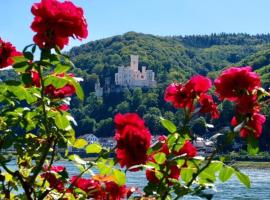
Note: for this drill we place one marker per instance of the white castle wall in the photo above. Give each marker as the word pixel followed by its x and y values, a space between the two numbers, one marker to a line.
pixel 131 76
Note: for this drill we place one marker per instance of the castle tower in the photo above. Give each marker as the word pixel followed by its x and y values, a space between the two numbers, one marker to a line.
pixel 98 89
pixel 107 85
pixel 134 62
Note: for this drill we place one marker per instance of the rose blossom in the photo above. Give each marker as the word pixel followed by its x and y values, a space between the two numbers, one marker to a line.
pixel 247 104
pixel 183 96
pixel 235 82
pixel 179 96
pixel 50 176
pixel 7 51
pixel 66 91
pixel 56 21
pixel 133 139
pixel 199 84
pixel 253 126
pixel 174 171
pixel 114 191
pixel 91 187
pixel 188 149
pixel 208 105
pixel 63 107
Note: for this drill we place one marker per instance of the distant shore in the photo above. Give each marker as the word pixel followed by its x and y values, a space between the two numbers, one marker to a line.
pixel 252 164
pixel 238 164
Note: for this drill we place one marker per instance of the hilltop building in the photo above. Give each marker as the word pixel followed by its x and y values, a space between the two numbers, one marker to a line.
pixel 131 76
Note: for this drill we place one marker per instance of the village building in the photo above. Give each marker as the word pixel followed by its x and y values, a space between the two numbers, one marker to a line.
pixel 131 76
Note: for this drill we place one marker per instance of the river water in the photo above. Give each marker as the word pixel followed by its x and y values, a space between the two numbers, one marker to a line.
pixel 231 190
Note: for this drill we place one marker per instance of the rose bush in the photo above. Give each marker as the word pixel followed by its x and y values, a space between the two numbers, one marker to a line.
pixel 35 121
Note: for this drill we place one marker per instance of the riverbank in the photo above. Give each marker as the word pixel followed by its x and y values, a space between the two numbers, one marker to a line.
pixel 238 164
pixel 251 165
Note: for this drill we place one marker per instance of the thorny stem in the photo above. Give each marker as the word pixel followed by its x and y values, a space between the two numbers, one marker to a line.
pixel 45 121
pixel 186 121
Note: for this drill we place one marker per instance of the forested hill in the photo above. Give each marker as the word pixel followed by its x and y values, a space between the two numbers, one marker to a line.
pixel 171 58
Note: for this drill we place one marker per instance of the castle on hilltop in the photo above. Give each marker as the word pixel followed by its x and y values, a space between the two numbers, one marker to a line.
pixel 131 76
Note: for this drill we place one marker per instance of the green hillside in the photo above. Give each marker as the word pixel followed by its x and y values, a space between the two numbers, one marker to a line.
pixel 171 58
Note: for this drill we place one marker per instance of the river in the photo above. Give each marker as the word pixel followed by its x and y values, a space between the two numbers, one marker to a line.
pixel 231 190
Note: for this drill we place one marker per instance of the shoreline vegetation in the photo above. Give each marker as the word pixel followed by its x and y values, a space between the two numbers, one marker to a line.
pixel 238 164
pixel 252 164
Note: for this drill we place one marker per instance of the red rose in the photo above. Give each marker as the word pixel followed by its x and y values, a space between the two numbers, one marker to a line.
pixel 56 21
pixel 235 82
pixel 7 51
pixel 64 107
pixel 66 91
pixel 114 191
pixel 164 148
pixel 188 149
pixel 247 104
pixel 35 78
pixel 50 176
pixel 91 187
pixel 253 126
pixel 183 96
pixel 208 106
pixel 55 168
pixel 133 140
pixel 234 121
pixel 199 84
pixel 174 173
pixel 179 96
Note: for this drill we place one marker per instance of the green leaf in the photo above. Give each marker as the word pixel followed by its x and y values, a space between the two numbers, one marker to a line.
pixel 225 173
pixel 17 59
pixel 28 55
pixel 252 146
pixel 119 177
pixel 154 148
pixel 160 158
pixel 93 148
pixel 22 93
pixel 61 121
pixel 77 159
pixel 158 174
pixel 80 143
pixel 104 167
pixel 57 82
pixel 186 174
pixel 243 178
pixel 168 125
pixel 172 139
pixel 61 68
pixel 21 66
pixel 78 88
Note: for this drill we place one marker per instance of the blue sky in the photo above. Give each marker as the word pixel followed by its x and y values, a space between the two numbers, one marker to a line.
pixel 160 17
